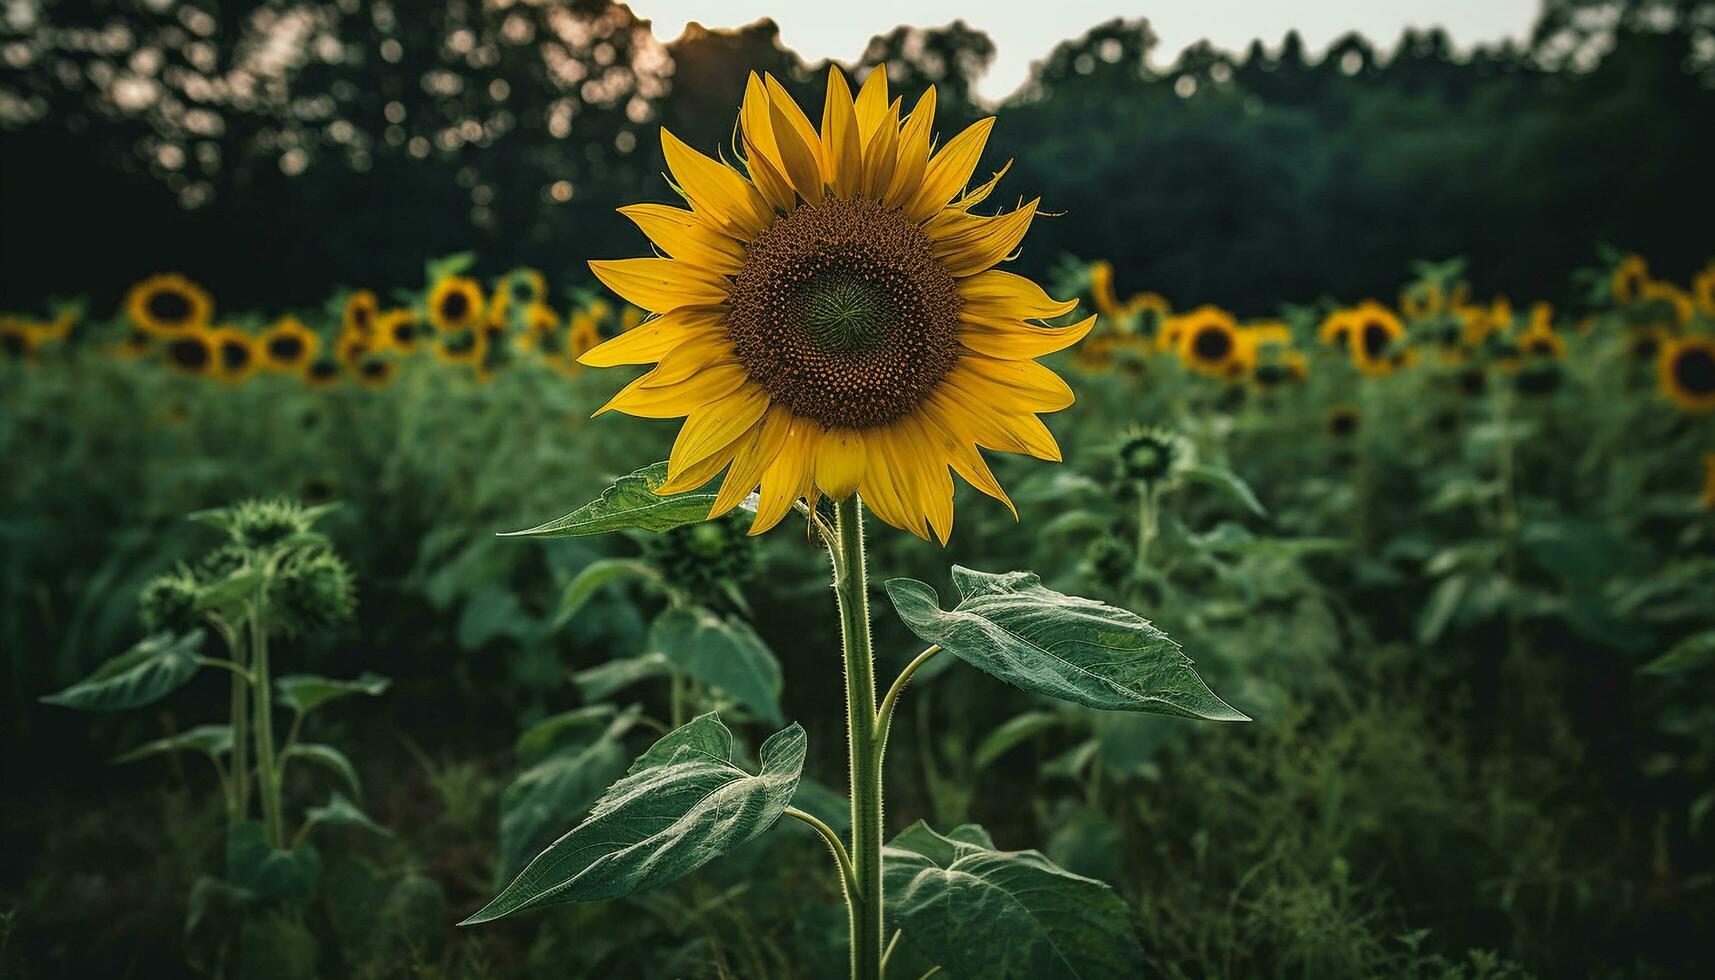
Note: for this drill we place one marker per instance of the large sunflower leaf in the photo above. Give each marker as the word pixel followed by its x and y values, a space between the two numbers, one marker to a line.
pixel 154 668
pixel 559 789
pixel 684 804
pixel 631 504
pixel 1075 649
pixel 721 652
pixel 1004 915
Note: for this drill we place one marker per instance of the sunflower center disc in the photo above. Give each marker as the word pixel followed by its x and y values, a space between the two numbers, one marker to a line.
pixel 843 314
pixel 169 307
pixel 1695 371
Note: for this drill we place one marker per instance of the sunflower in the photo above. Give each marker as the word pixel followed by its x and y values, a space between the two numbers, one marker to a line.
pixel 1670 305
pixel 361 308
pixel 1703 288
pixel 455 303
pixel 464 347
pixel 540 318
pixel 829 320
pixel 1097 353
pixel 1628 278
pixel 168 305
pixel 1686 372
pixel 583 336
pixel 1376 330
pixel 1421 300
pixel 321 372
pixel 288 345
pixel 1336 329
pixel 236 355
pixel 1342 422
pixel 17 340
pixel 1208 339
pixel 1541 342
pixel 57 329
pixel 398 330
pixel 191 352
pixel 353 347
pixel 137 342
pixel 376 371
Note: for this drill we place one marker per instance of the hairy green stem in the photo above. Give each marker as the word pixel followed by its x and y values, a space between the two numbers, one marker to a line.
pixel 835 846
pixel 884 714
pixel 1148 523
pixel 851 587
pixel 238 787
pixel 267 769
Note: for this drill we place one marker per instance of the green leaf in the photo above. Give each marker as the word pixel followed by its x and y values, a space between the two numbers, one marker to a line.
pixel 213 741
pixel 254 866
pixel 1011 732
pixel 577 726
pixel 1224 479
pixel 603 680
pixel 683 805
pixel 341 812
pixel 149 671
pixel 595 575
pixel 331 759
pixel 1690 653
pixel 631 503
pixel 1005 915
pixel 1443 603
pixel 549 795
pixel 721 652
pixel 306 692
pixel 1078 650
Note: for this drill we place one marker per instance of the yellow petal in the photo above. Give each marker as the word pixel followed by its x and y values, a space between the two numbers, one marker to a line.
pixel 1015 340
pixel 993 428
pixel 881 155
pixel 660 285
pixel 1025 384
pixel 842 147
pixel 913 152
pixel 650 340
pixel 872 103
pixel 673 401
pixel 803 169
pixel 839 462
pixel 966 459
pixel 950 170
pixel 716 192
pixel 692 477
pixel 783 480
pixel 1002 295
pixel 696 354
pixel 930 480
pixel 968 244
pixel 685 237
pixel 762 154
pixel 751 458
pixel 716 426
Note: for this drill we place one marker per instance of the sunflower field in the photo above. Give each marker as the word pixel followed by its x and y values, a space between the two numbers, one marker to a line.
pixel 879 544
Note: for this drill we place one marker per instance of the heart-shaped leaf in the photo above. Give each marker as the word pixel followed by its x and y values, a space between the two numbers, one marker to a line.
pixel 331 759
pixel 213 741
pixel 306 692
pixel 684 804
pixel 341 812
pixel 538 805
pixel 149 671
pixel 1004 915
pixel 721 652
pixel 631 504
pixel 253 865
pixel 1078 650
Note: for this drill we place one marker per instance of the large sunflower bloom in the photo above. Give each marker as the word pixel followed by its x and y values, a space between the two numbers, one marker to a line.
pixel 168 305
pixel 1686 371
pixel 829 320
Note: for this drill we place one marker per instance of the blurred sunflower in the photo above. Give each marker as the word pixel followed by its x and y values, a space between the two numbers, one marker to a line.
pixel 321 372
pixel 463 347
pixel 830 320
pixel 17 341
pixel 58 329
pixel 1703 289
pixel 190 353
pixel 455 303
pixel 1096 353
pixel 1628 278
pixel 1376 330
pixel 583 336
pixel 361 308
pixel 398 330
pixel 1208 340
pixel 1669 305
pixel 289 345
pixel 1336 329
pixel 1541 342
pixel 352 347
pixel 168 304
pixel 1686 372
pixel 1421 300
pixel 1341 422
pixel 236 356
pixel 376 370
pixel 137 342
pixel 540 318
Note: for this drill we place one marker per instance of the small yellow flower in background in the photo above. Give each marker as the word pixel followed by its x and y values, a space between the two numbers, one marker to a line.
pixel 1540 339
pixel 236 356
pixel 1208 339
pixel 353 346
pixel 190 353
pixel 466 347
pixel 57 329
pixel 321 372
pixel 1336 329
pixel 361 309
pixel 1421 300
pixel 455 303
pixel 168 305
pixel 376 370
pixel 1675 303
pixel 1703 289
pixel 17 340
pixel 1374 334
pixel 137 343
pixel 1628 279
pixel 398 330
pixel 1685 370
pixel 830 321
pixel 541 318
pixel 288 345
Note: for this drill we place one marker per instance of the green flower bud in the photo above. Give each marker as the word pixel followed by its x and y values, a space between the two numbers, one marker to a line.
pixel 312 590
pixel 699 557
pixel 168 603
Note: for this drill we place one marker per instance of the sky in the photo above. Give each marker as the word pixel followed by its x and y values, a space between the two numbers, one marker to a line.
pixel 1026 32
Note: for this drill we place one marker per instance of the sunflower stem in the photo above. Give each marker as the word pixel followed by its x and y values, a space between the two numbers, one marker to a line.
pixel 851 588
pixel 1148 523
pixel 267 770
pixel 238 787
